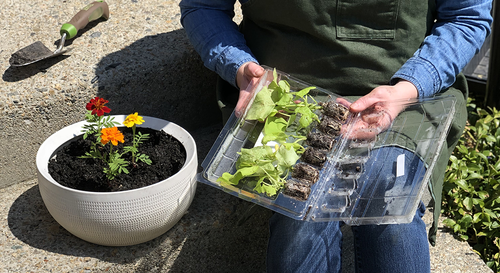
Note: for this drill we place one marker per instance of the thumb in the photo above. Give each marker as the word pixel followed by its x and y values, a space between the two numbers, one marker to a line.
pixel 254 70
pixel 362 103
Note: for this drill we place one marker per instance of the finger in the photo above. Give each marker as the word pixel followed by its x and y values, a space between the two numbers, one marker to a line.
pixel 343 101
pixel 254 70
pixel 377 95
pixel 363 103
pixel 244 98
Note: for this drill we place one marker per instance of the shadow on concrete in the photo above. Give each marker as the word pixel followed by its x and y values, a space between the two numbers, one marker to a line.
pixel 31 223
pixel 161 76
pixel 19 73
pixel 209 238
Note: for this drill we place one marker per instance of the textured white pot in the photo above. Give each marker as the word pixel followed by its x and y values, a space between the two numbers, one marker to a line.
pixel 119 218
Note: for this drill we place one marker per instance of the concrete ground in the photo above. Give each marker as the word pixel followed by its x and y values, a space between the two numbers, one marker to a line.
pixel 141 61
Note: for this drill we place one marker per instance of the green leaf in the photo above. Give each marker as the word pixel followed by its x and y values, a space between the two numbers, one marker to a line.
pixel 235 179
pixel 302 93
pixel 473 176
pixel 462 149
pixel 497 165
pixel 306 116
pixel 449 222
pixel 466 221
pixel 144 158
pixel 490 213
pixel 286 157
pixel 468 203
pixel 262 106
pixel 462 184
pixel 274 129
pixel 491 138
pixel 483 194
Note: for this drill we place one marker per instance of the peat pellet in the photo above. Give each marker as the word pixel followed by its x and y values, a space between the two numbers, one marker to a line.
pixel 335 110
pixel 297 189
pixel 306 172
pixel 329 125
pixel 320 140
pixel 314 156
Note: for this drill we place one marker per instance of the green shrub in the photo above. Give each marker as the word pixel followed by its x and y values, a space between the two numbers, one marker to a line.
pixel 471 194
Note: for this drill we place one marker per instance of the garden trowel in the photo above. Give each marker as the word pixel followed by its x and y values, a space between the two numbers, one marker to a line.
pixel 38 51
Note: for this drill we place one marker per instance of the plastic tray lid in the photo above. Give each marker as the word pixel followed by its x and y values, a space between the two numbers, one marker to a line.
pixel 377 180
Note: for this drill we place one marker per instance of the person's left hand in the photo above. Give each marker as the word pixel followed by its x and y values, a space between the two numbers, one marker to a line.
pixel 379 108
pixel 248 73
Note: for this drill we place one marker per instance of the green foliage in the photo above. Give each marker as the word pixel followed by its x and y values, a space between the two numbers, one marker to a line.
pixel 116 165
pixel 139 138
pixel 95 125
pixel 287 116
pixel 262 168
pixel 471 194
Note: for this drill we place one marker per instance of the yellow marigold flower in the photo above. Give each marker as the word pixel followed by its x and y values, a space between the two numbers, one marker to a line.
pixel 133 119
pixel 111 134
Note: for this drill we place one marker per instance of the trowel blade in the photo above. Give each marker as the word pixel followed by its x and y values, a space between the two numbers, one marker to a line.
pixel 32 53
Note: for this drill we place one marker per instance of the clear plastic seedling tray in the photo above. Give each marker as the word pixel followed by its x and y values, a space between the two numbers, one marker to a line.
pixel 374 180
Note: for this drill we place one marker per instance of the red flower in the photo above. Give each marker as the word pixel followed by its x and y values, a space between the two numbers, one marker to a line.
pixel 96 105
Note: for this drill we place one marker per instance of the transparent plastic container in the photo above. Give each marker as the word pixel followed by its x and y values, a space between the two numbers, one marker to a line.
pixel 362 179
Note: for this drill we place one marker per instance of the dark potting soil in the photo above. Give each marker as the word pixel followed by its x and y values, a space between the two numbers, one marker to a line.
pixel 167 154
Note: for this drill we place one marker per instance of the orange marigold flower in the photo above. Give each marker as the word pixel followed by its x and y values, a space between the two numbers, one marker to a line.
pixel 133 119
pixel 111 134
pixel 97 106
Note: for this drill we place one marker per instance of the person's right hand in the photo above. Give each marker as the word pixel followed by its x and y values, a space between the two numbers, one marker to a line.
pixel 379 108
pixel 248 72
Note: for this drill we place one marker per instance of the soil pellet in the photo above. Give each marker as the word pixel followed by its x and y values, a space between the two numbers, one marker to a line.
pixel 306 172
pixel 329 125
pixel 314 156
pixel 298 189
pixel 335 110
pixel 320 140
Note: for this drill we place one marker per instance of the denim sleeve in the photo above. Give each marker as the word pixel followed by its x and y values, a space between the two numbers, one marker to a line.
pixel 210 28
pixel 457 35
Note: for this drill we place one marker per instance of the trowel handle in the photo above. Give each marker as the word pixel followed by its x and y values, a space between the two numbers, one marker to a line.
pixel 91 12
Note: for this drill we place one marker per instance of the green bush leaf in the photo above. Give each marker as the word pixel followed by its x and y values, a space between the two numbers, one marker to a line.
pixel 449 222
pixel 468 203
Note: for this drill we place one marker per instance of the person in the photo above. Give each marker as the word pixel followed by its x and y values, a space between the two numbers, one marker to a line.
pixel 370 52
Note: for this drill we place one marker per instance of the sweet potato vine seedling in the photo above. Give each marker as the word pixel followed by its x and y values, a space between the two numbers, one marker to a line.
pixel 287 116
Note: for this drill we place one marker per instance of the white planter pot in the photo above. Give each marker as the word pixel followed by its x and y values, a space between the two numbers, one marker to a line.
pixel 119 218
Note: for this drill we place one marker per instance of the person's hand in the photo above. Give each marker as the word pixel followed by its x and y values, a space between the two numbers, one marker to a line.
pixel 248 72
pixel 379 108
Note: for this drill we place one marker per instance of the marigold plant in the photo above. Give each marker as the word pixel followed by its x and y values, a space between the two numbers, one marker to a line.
pixel 131 121
pixel 105 131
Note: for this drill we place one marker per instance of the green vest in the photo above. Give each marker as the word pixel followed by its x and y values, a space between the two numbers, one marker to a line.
pixel 349 47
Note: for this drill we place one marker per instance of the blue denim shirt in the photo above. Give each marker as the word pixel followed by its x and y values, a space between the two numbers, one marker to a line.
pixel 458 34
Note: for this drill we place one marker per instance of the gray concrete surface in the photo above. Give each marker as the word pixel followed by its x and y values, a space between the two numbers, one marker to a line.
pixel 140 60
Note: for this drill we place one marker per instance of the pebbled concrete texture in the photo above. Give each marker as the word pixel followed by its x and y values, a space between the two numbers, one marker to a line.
pixel 141 61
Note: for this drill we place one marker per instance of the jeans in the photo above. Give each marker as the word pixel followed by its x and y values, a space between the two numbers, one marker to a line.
pixel 301 246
